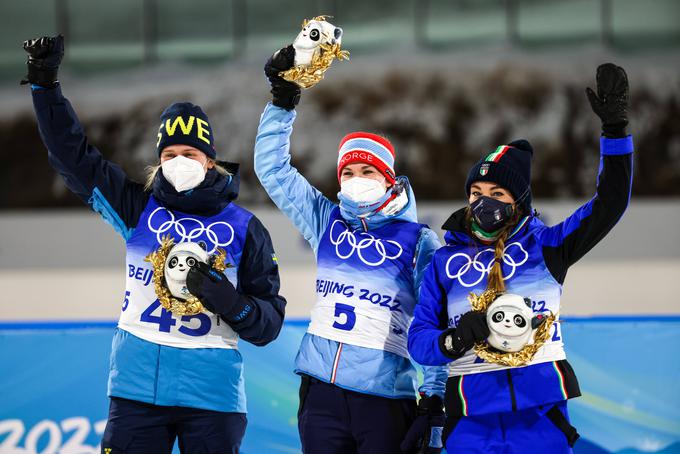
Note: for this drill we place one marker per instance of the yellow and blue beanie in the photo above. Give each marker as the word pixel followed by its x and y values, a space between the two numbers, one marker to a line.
pixel 184 123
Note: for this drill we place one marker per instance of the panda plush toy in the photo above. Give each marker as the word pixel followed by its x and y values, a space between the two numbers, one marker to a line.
pixel 180 259
pixel 512 323
pixel 315 33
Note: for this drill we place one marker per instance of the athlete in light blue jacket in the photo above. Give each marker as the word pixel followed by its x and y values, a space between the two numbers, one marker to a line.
pixel 358 383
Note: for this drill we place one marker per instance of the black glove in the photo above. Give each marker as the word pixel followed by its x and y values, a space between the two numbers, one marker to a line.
pixel 217 294
pixel 425 434
pixel 611 101
pixel 471 329
pixel 44 57
pixel 285 94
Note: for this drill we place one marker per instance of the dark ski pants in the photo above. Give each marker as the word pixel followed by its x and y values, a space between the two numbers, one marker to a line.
pixel 140 428
pixel 333 420
pixel 545 429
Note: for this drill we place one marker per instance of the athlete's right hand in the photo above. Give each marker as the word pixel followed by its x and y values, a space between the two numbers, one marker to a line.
pixel 285 94
pixel 471 329
pixel 44 57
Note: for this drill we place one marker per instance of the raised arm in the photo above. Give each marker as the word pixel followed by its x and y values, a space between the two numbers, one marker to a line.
pixel 308 208
pixel 99 183
pixel 565 243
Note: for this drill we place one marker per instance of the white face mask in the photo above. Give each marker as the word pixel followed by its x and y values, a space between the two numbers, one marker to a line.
pixel 183 173
pixel 361 189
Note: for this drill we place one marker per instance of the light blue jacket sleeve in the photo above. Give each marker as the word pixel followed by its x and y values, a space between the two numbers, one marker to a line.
pixel 308 208
pixel 434 380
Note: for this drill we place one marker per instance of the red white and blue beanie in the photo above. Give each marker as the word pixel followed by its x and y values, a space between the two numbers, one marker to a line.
pixel 370 149
pixel 508 166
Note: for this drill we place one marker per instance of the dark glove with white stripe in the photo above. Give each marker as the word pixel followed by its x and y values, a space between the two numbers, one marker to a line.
pixel 217 293
pixel 471 329
pixel 425 434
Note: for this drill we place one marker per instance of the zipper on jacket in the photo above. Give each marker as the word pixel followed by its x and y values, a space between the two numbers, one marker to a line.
pixel 364 224
pixel 512 390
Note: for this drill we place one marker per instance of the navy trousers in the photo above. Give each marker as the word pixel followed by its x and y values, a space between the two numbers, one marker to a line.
pixel 333 420
pixel 140 428
pixel 541 430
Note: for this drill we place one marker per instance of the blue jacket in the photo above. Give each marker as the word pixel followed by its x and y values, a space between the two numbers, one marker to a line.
pixel 360 369
pixel 207 378
pixel 535 264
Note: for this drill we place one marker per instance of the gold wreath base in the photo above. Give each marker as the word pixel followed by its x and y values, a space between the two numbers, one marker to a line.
pixel 190 306
pixel 512 359
pixel 308 76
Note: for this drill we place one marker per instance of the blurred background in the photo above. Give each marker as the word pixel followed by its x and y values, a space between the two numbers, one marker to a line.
pixel 446 80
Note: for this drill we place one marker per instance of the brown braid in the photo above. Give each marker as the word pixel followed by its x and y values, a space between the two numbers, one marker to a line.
pixel 496 281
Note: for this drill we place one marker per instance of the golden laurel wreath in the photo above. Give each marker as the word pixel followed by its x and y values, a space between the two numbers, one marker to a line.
pixel 512 359
pixel 308 76
pixel 190 306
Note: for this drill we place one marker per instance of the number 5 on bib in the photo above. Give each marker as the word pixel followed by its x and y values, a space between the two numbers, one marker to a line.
pixel 350 317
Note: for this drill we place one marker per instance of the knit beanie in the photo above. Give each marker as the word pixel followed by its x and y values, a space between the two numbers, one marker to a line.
pixel 370 149
pixel 508 166
pixel 183 123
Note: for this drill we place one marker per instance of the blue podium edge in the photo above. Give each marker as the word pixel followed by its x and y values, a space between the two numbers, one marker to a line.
pixel 14 325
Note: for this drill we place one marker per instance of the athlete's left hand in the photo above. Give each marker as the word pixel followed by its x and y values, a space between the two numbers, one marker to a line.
pixel 217 294
pixel 610 103
pixel 425 434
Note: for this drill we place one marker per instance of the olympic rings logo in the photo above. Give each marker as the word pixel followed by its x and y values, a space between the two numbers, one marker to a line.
pixel 388 250
pixel 190 229
pixel 473 270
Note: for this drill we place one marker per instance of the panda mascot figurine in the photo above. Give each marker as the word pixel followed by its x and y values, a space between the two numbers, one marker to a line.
pixel 314 33
pixel 512 323
pixel 180 259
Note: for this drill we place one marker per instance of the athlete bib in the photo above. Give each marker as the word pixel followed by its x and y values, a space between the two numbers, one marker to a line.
pixel 142 313
pixel 364 286
pixel 466 269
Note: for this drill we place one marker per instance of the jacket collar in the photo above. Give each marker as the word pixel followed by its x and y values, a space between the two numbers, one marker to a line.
pixel 207 199
pixel 457 231
pixel 408 213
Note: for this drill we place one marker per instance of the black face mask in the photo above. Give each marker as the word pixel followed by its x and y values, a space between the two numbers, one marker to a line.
pixel 491 214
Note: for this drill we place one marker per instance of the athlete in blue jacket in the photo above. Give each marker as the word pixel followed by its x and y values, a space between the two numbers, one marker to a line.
pixel 497 243
pixel 358 391
pixel 171 376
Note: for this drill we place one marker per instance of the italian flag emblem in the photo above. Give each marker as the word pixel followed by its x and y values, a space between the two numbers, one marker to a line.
pixel 484 169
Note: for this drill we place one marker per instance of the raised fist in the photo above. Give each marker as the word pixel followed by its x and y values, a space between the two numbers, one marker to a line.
pixel 44 57
pixel 285 94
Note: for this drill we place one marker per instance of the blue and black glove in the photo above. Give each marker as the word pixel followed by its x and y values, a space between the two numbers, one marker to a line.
pixel 425 434
pixel 217 293
pixel 44 58
pixel 285 94
pixel 611 101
